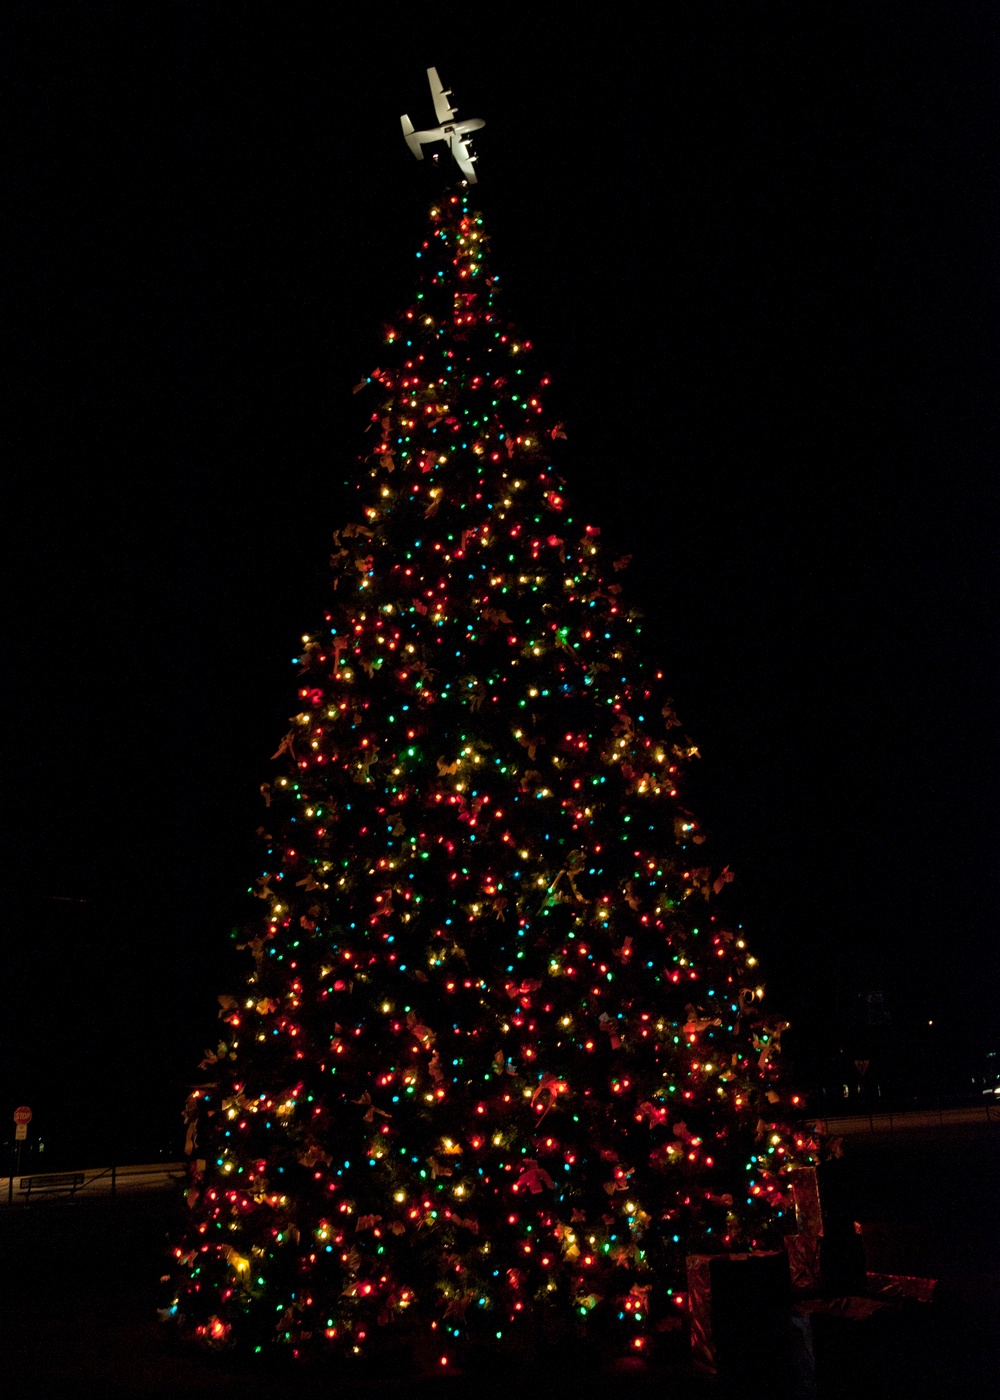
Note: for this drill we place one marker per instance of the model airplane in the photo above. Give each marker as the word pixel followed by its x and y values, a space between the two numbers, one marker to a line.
pixel 451 132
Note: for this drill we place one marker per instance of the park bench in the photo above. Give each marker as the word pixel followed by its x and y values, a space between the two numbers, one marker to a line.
pixel 44 1187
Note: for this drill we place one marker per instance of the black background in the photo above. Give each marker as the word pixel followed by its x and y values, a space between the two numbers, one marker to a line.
pixel 755 246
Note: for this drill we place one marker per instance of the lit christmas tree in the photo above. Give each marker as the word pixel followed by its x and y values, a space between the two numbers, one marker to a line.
pixel 497 1067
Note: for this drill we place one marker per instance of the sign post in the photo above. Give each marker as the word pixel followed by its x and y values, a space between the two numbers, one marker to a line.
pixel 22 1117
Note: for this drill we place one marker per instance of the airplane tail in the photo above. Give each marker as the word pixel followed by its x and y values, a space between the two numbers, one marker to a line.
pixel 410 137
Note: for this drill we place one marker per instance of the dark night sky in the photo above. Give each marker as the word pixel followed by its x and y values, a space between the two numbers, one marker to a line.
pixel 755 248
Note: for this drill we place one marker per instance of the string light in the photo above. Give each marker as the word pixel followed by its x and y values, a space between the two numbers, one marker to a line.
pixel 497 1064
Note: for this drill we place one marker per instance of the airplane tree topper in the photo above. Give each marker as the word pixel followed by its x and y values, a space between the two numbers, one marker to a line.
pixel 453 133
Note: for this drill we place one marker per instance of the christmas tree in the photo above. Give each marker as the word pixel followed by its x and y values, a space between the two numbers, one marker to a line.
pixel 497 1066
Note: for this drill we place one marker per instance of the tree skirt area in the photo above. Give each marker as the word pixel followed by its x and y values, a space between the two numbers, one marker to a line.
pixel 79 1291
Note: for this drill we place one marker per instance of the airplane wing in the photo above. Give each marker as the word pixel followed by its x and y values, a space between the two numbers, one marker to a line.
pixel 411 137
pixel 442 110
pixel 462 152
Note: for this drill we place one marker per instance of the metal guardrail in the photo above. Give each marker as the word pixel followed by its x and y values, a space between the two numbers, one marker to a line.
pixel 851 1125
pixel 103 1181
pixel 161 1176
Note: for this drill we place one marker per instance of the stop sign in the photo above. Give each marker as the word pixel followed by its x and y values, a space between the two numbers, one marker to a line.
pixel 22 1115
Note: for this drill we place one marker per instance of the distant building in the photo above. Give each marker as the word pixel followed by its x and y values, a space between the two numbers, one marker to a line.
pixel 877 1009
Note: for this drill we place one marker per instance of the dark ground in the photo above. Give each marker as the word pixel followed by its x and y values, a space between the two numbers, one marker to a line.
pixel 78 1293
